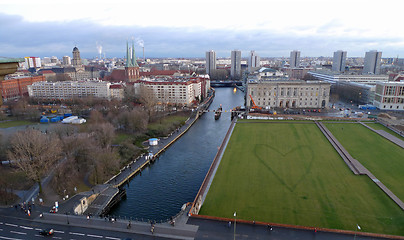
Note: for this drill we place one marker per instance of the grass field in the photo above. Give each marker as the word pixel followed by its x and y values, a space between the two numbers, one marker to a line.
pixel 289 173
pixel 7 124
pixel 378 126
pixel 382 157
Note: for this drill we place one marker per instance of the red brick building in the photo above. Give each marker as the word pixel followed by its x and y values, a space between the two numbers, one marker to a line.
pixel 17 87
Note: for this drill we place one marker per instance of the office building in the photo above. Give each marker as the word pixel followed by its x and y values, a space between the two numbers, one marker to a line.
pixel 372 62
pixel 235 71
pixel 67 61
pixel 389 96
pixel 294 60
pixel 254 61
pixel 338 62
pixel 210 62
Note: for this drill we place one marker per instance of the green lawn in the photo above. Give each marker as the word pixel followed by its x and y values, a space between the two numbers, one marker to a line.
pixel 378 126
pixel 380 156
pixel 289 173
pixel 7 124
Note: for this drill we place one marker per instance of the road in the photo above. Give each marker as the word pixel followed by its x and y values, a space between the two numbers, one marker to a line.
pixel 16 228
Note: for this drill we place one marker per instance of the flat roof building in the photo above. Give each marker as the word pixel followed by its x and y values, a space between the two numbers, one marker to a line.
pixel 389 96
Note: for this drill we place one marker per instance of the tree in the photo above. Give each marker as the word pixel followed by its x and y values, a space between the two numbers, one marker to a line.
pixel 133 121
pixel 148 99
pixel 103 134
pixel 34 153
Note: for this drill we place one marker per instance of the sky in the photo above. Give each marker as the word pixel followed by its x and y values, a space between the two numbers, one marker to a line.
pixel 189 28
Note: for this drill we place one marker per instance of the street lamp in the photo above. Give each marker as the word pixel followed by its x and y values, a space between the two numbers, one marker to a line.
pixel 235 218
pixel 67 218
pixel 356 229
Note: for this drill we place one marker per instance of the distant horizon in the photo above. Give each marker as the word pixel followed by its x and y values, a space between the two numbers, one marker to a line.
pixel 185 29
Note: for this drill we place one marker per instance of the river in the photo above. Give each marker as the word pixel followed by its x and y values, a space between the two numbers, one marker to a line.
pixel 174 179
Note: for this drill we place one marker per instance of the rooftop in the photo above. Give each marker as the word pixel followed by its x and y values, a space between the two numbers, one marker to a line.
pixel 10 60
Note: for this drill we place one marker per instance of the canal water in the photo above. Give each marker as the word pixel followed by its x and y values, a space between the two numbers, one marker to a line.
pixel 174 179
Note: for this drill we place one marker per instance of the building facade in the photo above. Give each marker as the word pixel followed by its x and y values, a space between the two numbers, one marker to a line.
pixel 294 60
pixel 372 62
pixel 172 90
pixel 254 61
pixel 235 71
pixel 389 96
pixel 17 87
pixel 339 61
pixel 210 62
pixel 288 94
pixel 67 90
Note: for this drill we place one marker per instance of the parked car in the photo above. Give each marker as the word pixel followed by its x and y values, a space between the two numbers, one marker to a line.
pixel 46 232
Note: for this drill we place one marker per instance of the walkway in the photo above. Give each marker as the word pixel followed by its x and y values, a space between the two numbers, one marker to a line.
pixel 386 135
pixel 355 166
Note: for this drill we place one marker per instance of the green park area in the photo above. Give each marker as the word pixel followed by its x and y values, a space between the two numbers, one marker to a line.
pixel 7 124
pixel 380 156
pixel 289 173
pixel 378 126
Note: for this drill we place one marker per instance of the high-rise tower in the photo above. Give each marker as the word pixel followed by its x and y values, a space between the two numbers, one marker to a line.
pixel 235 71
pixel 131 67
pixel 338 62
pixel 294 60
pixel 372 62
pixel 254 61
pixel 210 61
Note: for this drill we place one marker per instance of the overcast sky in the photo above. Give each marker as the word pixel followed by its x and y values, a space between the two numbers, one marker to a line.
pixel 189 28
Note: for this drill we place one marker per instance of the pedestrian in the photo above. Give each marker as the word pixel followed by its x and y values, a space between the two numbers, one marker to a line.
pixel 229 224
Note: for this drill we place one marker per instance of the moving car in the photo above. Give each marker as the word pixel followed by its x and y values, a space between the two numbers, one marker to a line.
pixel 46 232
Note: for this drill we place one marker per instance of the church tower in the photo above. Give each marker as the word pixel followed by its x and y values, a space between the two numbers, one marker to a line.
pixel 131 67
pixel 76 57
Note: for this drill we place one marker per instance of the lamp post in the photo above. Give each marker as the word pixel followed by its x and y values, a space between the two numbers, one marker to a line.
pixel 235 219
pixel 356 229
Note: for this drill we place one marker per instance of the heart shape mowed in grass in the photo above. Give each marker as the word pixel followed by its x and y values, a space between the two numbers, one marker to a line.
pixel 290 168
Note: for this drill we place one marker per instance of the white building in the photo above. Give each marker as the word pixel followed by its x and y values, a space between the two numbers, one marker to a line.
pixel 173 90
pixel 294 60
pixel 288 94
pixel 389 96
pixel 70 89
pixel 32 62
pixel 210 61
pixel 372 62
pixel 339 61
pixel 67 60
pixel 333 77
pixel 235 71
pixel 254 61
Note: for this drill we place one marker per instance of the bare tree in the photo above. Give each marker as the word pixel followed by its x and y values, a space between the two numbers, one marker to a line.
pixel 133 121
pixel 148 99
pixel 34 153
pixel 103 133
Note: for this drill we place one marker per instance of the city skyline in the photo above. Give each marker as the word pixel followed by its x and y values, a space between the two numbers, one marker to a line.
pixel 180 29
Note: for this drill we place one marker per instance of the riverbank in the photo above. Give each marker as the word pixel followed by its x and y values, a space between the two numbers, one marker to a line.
pixel 99 202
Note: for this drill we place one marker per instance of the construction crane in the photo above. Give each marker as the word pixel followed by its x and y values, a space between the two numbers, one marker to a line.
pixel 254 106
